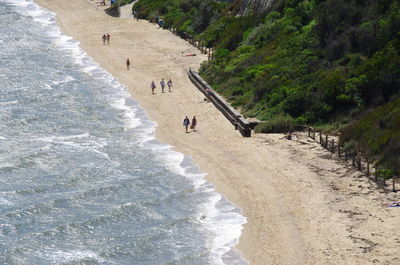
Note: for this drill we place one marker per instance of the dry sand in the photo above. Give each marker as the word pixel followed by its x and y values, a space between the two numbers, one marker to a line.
pixel 302 205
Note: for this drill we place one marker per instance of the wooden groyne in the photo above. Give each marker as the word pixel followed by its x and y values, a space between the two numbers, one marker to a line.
pixel 229 112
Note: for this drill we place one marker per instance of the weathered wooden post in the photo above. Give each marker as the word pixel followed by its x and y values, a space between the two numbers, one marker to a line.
pixel 309 131
pixel 359 163
pixel 376 174
pixel 313 134
pixel 320 137
pixel 367 168
pixel 333 145
pixel 338 149
pixel 326 141
pixel 394 184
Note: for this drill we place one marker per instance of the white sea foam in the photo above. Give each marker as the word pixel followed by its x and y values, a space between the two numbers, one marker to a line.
pixel 61 138
pixel 61 256
pixel 4 201
pixel 54 84
pixel 218 215
pixel 29 8
pixel 92 145
pixel 129 115
pixel 9 103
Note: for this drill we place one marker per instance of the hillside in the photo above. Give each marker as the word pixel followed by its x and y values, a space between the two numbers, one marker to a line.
pixel 325 63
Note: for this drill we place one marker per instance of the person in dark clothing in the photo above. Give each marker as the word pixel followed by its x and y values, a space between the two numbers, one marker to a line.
pixel 153 87
pixel 162 84
pixel 194 123
pixel 186 123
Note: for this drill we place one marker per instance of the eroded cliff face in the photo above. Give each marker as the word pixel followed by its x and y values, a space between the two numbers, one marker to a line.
pixel 255 6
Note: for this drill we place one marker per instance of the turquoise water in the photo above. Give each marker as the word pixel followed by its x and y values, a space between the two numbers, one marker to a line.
pixel 82 179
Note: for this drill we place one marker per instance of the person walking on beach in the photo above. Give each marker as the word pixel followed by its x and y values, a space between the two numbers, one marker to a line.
pixel 108 36
pixel 186 123
pixel 162 84
pixel 194 123
pixel 169 84
pixel 152 86
pixel 104 39
pixel 128 63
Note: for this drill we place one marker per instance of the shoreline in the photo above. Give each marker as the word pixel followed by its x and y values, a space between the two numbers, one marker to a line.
pixel 269 179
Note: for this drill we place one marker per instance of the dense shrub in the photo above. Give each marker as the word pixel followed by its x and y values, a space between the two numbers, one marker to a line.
pixel 317 61
pixel 191 16
pixel 377 133
pixel 278 124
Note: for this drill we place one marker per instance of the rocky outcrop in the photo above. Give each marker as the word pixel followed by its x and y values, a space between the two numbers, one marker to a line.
pixel 255 6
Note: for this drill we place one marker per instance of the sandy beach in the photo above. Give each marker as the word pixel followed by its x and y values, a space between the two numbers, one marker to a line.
pixel 303 205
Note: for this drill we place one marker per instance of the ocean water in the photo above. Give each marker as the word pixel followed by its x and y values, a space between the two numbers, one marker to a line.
pixel 82 179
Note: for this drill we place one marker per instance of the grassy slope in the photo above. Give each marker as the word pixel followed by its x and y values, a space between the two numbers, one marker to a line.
pixel 318 62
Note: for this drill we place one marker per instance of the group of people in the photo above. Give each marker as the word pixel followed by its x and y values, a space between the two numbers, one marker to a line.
pixel 162 84
pixel 106 38
pixel 186 123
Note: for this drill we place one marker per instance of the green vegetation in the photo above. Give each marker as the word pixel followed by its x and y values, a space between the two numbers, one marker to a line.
pixel 190 16
pixel 121 2
pixel 377 134
pixel 328 63
pixel 277 124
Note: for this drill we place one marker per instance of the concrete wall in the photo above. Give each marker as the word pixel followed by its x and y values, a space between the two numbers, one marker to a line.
pixel 229 112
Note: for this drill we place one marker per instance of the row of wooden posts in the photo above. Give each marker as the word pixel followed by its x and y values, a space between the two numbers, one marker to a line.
pixel 328 143
pixel 363 165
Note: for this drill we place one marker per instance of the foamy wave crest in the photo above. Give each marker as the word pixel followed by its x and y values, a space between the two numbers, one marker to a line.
pixel 93 145
pixel 218 216
pixel 8 103
pixel 29 8
pixel 129 116
pixel 60 138
pixel 59 256
pixel 87 65
pixel 226 223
